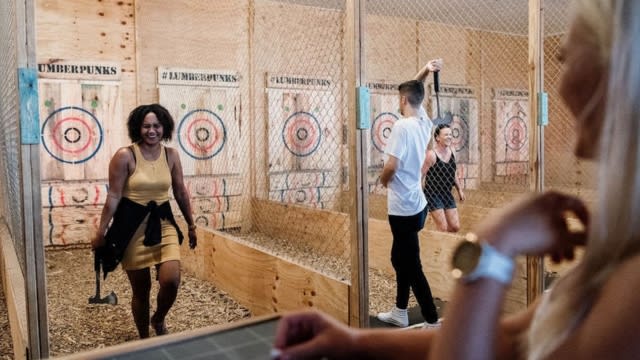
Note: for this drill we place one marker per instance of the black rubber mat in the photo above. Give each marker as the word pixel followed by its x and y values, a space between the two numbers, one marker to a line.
pixel 251 342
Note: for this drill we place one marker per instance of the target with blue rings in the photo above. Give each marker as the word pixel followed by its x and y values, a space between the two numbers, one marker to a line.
pixel 381 129
pixel 515 133
pixel 71 135
pixel 459 133
pixel 301 133
pixel 202 134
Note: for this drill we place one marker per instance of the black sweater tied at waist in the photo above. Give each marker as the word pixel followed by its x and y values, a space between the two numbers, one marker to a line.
pixel 126 220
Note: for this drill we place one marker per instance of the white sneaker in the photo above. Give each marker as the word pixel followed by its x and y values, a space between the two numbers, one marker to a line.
pixel 397 317
pixel 435 325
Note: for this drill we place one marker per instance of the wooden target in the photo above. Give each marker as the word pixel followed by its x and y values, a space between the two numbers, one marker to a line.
pixel 459 133
pixel 210 205
pixel 381 130
pixel 302 196
pixel 515 133
pixel 71 135
pixel 301 133
pixel 202 134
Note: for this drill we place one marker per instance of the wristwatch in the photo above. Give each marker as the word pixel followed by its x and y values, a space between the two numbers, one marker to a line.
pixel 473 260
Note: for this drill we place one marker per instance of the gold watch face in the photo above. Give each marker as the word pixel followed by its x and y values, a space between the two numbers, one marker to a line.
pixel 465 258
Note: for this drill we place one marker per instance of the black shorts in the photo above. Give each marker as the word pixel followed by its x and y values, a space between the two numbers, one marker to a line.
pixel 440 200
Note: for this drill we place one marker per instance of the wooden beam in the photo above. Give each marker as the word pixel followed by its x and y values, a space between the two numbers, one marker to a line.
pixel 30 181
pixel 535 268
pixel 358 188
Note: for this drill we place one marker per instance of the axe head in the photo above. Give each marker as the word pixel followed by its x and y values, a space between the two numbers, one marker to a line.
pixel 111 299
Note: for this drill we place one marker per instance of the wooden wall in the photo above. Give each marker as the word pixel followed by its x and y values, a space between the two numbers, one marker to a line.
pixel 482 61
pixel 263 282
pixel 13 287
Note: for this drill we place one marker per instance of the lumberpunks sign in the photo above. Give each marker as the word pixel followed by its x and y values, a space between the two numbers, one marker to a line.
pixel 79 70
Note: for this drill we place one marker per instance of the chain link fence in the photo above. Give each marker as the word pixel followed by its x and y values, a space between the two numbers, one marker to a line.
pixel 483 93
pixel 563 171
pixel 483 97
pixel 262 132
pixel 10 187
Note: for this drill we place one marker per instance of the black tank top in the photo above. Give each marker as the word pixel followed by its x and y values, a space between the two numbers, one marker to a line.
pixel 441 176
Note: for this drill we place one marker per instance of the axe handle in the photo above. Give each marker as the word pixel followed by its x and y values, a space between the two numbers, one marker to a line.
pixel 97 284
pixel 436 88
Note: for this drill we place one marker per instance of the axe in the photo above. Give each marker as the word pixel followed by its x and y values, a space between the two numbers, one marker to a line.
pixel 96 299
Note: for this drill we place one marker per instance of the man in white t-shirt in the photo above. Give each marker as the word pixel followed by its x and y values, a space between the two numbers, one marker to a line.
pixel 406 203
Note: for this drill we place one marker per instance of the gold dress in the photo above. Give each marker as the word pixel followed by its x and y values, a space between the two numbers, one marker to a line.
pixel 150 181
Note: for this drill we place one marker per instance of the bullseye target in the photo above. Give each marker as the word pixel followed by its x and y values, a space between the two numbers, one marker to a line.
pixel 301 133
pixel 71 135
pixel 202 134
pixel 515 133
pixel 302 196
pixel 459 133
pixel 381 129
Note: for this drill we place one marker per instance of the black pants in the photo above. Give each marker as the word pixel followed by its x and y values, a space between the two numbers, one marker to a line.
pixel 405 258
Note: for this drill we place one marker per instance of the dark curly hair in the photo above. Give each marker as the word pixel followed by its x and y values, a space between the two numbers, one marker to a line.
pixel 136 117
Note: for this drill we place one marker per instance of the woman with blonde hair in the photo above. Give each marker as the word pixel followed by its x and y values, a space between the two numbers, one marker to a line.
pixel 594 310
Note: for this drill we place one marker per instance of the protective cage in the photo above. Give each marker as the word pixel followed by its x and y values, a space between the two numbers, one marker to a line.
pixel 284 185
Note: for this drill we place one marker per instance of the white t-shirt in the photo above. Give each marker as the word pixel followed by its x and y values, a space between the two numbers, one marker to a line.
pixel 408 143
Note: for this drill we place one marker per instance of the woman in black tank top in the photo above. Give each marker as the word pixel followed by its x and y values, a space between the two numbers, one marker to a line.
pixel 440 167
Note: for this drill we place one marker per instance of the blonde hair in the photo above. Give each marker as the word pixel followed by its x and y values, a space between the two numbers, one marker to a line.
pixel 614 235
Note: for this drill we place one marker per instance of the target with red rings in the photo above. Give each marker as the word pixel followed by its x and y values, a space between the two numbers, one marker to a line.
pixel 459 133
pixel 71 135
pixel 202 134
pixel 301 133
pixel 515 133
pixel 381 129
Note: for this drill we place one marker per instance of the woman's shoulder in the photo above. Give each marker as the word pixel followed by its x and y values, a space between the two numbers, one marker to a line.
pixel 171 151
pixel 124 153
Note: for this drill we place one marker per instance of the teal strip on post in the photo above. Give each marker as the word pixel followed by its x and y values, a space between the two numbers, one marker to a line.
pixel 29 114
pixel 543 109
pixel 364 108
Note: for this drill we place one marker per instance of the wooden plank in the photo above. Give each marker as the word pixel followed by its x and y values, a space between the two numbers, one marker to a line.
pixel 14 292
pixel 70 225
pixel 93 31
pixel 303 130
pixel 81 127
pixel 535 264
pixel 209 186
pixel 207 128
pixel 50 169
pixel 103 100
pixel 325 231
pixel 263 282
pixel 78 70
pixel 57 194
pixel 384 113
pixel 436 249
